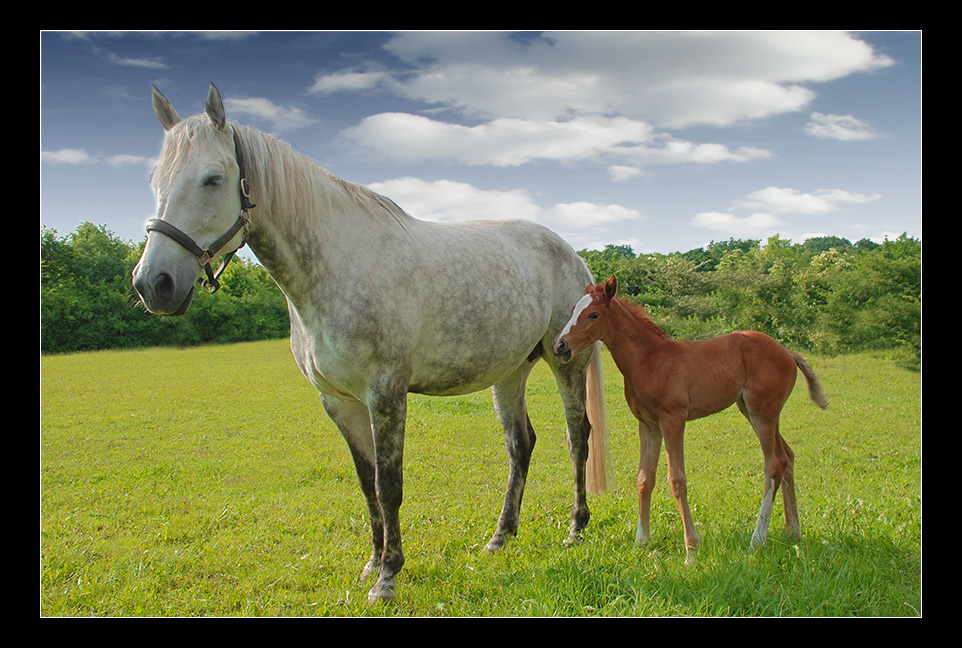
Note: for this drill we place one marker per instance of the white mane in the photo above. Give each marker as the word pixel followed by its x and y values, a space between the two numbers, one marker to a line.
pixel 294 186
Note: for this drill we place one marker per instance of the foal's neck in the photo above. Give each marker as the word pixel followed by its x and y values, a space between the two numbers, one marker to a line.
pixel 632 331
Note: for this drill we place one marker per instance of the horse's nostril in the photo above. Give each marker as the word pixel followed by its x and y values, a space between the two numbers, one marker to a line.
pixel 164 286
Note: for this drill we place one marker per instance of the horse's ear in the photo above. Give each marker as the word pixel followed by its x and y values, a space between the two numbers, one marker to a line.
pixel 611 287
pixel 165 111
pixel 215 108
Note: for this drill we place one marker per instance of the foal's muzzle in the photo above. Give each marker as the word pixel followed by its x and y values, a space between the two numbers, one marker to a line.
pixel 562 350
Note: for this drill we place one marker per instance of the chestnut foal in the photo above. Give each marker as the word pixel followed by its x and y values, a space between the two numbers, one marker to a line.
pixel 669 382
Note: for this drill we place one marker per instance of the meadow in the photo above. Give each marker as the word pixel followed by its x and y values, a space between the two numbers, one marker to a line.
pixel 209 482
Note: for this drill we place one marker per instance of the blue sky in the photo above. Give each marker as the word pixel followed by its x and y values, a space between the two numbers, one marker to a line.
pixel 663 141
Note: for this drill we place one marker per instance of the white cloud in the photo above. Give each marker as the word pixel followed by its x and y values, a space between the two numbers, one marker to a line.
pixel 500 142
pixel 751 226
pixel 330 83
pixel 79 156
pixel 67 156
pixel 620 172
pixel 765 207
pixel 670 79
pixel 449 201
pixel 512 142
pixel 279 117
pixel 583 215
pixel 783 200
pixel 604 97
pixel 131 160
pixel 839 127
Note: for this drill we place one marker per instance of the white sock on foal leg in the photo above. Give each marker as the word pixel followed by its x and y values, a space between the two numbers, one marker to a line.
pixel 764 515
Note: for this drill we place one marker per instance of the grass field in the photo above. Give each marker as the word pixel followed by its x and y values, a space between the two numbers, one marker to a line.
pixel 209 482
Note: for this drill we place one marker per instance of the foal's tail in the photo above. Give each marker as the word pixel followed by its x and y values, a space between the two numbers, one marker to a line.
pixel 815 391
pixel 597 478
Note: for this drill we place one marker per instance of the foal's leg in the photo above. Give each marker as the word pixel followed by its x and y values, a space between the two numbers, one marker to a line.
pixel 650 441
pixel 673 429
pixel 776 463
pixel 519 439
pixel 788 492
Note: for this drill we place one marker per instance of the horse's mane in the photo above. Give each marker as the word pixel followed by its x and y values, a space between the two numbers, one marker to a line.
pixel 293 184
pixel 641 317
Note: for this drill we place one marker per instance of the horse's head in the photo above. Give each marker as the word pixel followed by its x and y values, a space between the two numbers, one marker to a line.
pixel 199 203
pixel 589 322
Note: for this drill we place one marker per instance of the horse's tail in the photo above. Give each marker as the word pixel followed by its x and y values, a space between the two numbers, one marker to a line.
pixel 815 391
pixel 597 478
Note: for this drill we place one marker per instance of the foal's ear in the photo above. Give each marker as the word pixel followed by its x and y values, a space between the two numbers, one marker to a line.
pixel 611 287
pixel 165 111
pixel 215 108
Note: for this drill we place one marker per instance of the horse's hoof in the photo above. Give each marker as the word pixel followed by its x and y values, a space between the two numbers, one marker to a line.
pixel 495 545
pixel 381 593
pixel 370 569
pixel 573 540
pixel 499 541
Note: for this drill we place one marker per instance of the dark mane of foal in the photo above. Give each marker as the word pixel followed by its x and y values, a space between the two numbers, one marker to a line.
pixel 642 318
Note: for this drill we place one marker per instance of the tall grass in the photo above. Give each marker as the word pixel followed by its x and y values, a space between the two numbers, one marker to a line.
pixel 209 482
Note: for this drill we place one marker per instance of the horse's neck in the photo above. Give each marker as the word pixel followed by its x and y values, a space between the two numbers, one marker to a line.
pixel 308 226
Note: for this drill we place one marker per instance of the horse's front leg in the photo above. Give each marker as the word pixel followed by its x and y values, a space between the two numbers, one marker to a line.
pixel 353 421
pixel 388 414
pixel 577 438
pixel 573 387
pixel 378 462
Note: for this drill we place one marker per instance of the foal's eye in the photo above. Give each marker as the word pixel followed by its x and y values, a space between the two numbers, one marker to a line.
pixel 593 316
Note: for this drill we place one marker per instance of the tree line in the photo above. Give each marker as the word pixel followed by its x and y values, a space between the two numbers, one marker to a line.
pixel 826 295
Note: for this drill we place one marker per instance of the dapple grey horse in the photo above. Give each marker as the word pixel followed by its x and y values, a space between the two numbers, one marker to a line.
pixel 381 304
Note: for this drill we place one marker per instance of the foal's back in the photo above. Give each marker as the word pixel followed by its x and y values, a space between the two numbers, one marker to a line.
pixel 703 377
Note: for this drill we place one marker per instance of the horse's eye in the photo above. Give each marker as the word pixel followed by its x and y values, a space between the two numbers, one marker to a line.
pixel 593 316
pixel 213 181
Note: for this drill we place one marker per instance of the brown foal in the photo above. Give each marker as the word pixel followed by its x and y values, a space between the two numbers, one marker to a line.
pixel 669 382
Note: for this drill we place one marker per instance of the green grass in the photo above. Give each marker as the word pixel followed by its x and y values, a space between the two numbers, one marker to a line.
pixel 209 482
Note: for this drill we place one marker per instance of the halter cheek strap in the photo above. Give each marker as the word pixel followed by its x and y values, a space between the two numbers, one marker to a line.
pixel 206 255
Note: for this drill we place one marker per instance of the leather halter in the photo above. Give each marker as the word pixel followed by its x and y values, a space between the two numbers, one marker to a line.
pixel 206 255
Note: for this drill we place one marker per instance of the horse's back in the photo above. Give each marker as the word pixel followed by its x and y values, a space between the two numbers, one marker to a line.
pixel 491 292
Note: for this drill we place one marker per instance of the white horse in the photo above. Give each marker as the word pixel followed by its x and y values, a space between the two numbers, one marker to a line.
pixel 381 304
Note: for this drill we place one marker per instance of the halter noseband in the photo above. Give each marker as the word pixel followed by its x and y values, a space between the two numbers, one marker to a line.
pixel 206 255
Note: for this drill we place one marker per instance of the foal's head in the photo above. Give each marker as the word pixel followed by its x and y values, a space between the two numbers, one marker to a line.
pixel 589 321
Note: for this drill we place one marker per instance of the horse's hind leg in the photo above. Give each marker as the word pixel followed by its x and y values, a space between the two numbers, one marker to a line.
pixel 519 440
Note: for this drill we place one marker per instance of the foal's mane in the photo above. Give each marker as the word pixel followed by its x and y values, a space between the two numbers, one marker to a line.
pixel 640 316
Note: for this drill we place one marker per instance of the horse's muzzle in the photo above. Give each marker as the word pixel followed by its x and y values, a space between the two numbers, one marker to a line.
pixel 159 293
pixel 562 350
